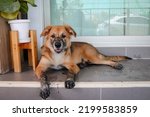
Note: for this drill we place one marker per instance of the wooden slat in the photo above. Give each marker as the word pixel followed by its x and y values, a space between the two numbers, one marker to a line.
pixel 29 57
pixel 33 48
pixel 15 51
pixel 25 45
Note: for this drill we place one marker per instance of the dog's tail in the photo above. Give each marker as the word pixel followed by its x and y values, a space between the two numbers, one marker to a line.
pixel 117 58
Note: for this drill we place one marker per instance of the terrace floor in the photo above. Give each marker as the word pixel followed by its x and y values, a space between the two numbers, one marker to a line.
pixel 135 75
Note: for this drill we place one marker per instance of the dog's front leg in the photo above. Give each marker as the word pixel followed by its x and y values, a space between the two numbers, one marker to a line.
pixel 73 69
pixel 70 81
pixel 41 74
pixel 45 87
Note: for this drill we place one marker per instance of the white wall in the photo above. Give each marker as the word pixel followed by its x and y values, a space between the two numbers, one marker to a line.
pixel 35 15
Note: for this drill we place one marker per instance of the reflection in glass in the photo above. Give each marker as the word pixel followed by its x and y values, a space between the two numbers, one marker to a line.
pixel 103 17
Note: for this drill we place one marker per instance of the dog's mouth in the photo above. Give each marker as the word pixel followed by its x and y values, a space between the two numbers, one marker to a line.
pixel 58 46
pixel 58 50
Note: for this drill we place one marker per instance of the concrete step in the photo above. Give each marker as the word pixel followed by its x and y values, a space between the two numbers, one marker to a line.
pixel 92 83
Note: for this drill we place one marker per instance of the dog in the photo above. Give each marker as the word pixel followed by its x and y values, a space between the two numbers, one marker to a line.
pixel 59 52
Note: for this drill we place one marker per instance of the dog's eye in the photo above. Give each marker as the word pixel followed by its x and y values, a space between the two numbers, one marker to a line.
pixel 53 36
pixel 63 36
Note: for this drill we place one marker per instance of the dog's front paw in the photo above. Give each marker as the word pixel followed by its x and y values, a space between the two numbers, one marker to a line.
pixel 69 84
pixel 45 91
pixel 118 66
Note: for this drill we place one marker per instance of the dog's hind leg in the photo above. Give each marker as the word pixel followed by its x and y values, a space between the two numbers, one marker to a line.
pixel 99 59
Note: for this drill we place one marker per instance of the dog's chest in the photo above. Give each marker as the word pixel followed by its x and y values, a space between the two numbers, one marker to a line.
pixel 58 60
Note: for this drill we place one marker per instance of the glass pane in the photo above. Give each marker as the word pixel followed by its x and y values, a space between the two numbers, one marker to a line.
pixel 103 17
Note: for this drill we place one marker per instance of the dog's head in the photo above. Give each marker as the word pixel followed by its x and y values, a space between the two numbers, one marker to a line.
pixel 58 37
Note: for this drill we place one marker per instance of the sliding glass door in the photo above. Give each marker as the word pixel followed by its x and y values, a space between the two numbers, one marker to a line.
pixel 103 17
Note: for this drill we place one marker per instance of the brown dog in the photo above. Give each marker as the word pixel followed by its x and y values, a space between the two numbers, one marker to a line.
pixel 59 52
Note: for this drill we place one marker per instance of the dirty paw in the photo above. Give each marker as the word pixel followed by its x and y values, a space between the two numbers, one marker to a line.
pixel 69 84
pixel 118 66
pixel 45 91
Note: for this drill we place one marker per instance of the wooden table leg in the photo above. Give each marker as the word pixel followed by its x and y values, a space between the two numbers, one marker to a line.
pixel 15 51
pixel 34 48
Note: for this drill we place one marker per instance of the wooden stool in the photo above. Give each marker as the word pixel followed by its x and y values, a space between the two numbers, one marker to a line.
pixel 16 47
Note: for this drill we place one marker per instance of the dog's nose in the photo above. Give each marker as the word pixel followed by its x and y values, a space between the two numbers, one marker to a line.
pixel 57 44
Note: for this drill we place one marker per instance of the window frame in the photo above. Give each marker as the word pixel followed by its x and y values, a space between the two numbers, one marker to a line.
pixel 101 41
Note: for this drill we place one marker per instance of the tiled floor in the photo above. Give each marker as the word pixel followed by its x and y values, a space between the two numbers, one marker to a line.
pixel 134 70
pixel 107 83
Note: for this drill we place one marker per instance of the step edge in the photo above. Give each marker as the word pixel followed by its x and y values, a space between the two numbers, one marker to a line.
pixel 118 84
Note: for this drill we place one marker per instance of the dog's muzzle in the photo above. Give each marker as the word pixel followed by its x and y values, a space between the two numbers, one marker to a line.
pixel 59 45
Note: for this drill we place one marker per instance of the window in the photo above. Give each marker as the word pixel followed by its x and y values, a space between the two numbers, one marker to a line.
pixel 98 20
pixel 89 17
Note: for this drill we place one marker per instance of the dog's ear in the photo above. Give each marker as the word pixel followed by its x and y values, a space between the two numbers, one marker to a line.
pixel 46 30
pixel 70 30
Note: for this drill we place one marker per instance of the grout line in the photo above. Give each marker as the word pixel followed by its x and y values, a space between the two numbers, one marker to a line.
pixel 140 58
pixel 126 51
pixel 100 93
pixel 120 84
